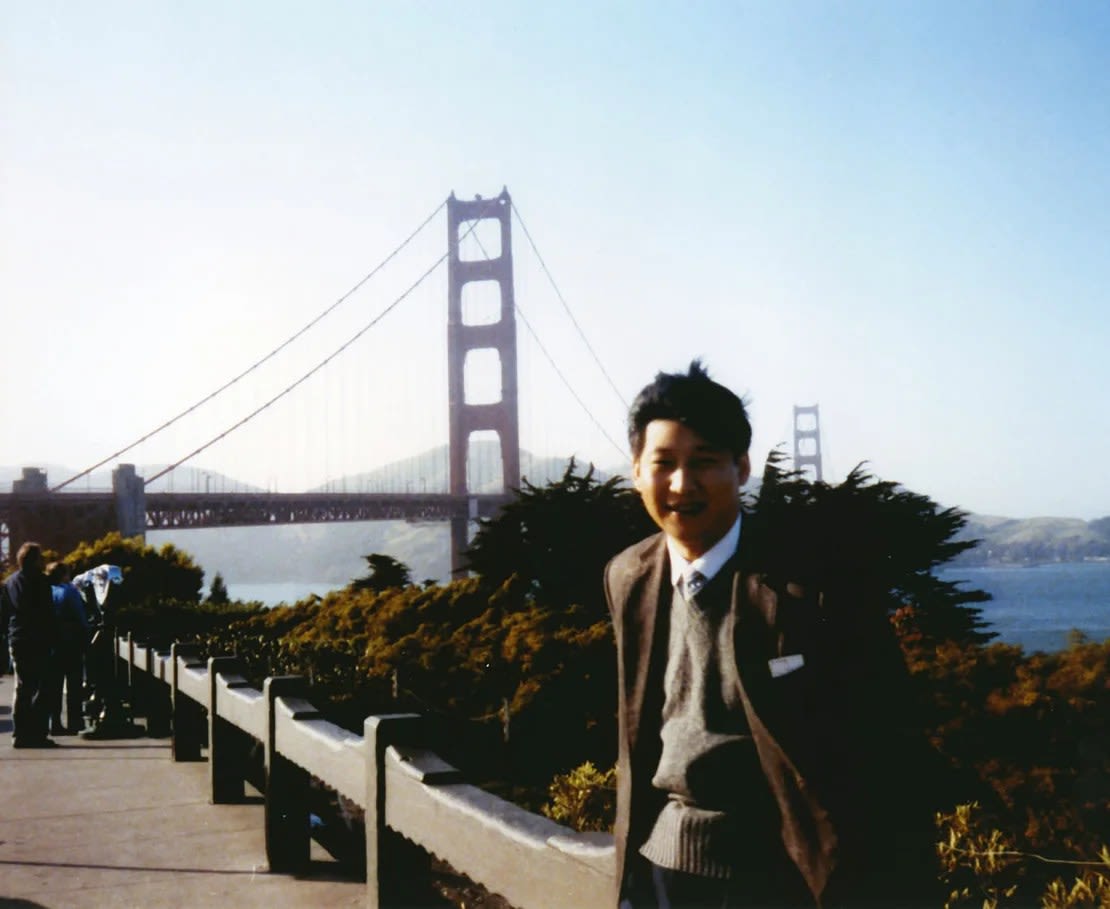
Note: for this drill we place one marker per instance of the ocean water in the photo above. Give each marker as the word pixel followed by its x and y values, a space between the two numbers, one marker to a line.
pixel 275 593
pixel 1039 605
pixel 1036 606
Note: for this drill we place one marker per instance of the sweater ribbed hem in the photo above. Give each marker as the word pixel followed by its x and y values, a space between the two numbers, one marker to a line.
pixel 690 839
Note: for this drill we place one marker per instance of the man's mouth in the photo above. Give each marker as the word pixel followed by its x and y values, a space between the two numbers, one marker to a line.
pixel 686 509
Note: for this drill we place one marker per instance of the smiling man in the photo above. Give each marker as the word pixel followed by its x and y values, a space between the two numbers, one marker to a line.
pixel 741 716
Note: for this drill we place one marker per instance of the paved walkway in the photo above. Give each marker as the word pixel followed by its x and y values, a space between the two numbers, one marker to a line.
pixel 119 824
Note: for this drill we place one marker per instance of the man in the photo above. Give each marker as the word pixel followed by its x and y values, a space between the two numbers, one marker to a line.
pixel 67 668
pixel 756 751
pixel 29 607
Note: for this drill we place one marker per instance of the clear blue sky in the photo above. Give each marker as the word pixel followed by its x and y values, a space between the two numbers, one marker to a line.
pixel 900 211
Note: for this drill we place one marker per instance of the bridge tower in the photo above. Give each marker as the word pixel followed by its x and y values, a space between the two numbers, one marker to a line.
pixel 807 441
pixel 465 337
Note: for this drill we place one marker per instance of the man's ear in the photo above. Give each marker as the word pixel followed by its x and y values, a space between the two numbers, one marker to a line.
pixel 744 464
pixel 636 473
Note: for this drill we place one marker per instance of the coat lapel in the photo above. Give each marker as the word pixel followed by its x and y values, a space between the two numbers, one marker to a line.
pixel 644 627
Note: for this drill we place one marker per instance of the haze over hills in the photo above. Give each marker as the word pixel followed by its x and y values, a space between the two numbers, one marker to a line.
pixel 334 553
pixel 183 479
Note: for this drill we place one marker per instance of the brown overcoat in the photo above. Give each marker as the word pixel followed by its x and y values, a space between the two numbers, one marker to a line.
pixel 825 734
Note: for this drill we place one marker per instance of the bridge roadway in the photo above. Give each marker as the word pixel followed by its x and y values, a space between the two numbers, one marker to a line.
pixel 168 510
pixel 63 520
pixel 117 823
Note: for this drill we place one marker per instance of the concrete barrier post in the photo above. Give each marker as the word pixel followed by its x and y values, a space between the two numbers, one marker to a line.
pixel 128 681
pixel 227 746
pixel 187 716
pixel 157 697
pixel 117 668
pixel 392 863
pixel 288 834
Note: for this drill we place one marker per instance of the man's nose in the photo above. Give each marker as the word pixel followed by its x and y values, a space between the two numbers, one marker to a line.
pixel 680 480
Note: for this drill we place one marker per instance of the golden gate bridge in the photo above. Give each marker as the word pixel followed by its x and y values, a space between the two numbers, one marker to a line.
pixel 481 337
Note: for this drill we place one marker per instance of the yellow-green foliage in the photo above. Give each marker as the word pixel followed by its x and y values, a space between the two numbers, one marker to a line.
pixel 159 599
pixel 150 575
pixel 459 650
pixel 583 799
pixel 982 867
pixel 1091 887
pixel 979 868
pixel 1034 730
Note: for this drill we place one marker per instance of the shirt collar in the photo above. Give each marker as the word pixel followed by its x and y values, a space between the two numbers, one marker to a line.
pixel 708 563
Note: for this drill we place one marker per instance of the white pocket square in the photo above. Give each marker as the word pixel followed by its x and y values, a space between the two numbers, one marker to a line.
pixel 785 664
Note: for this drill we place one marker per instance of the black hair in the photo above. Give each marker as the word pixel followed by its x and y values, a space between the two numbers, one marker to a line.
pixel 695 400
pixel 29 552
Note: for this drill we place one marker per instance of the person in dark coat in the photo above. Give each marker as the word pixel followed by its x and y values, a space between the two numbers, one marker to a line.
pixel 760 738
pixel 31 638
pixel 67 668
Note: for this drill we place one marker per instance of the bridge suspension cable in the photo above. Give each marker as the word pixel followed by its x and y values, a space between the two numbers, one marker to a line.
pixel 574 321
pixel 547 355
pixel 246 372
pixel 315 369
pixel 566 382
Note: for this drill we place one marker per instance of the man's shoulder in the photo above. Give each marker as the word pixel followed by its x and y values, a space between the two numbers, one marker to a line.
pixel 635 555
pixel 628 567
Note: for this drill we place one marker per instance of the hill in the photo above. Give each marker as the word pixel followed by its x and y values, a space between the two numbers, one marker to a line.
pixel 1012 541
pixel 183 479
pixel 429 470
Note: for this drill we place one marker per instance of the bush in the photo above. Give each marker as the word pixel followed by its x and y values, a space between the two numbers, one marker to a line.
pixel 982 866
pixel 584 799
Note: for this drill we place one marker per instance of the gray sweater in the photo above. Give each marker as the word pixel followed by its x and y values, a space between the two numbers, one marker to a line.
pixel 708 757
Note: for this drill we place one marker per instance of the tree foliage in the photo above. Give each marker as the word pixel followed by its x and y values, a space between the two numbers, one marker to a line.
pixel 217 593
pixel 149 575
pixel 1032 730
pixel 557 538
pixel 983 866
pixel 460 653
pixel 385 572
pixel 873 538
pixel 159 601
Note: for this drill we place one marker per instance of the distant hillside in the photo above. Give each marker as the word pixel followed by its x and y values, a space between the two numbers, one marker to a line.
pixel 183 479
pixel 1012 541
pixel 428 471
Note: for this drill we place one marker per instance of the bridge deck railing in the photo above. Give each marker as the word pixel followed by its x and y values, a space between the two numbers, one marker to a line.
pixel 407 792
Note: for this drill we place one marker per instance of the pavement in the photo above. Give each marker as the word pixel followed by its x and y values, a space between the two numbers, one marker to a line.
pixel 116 823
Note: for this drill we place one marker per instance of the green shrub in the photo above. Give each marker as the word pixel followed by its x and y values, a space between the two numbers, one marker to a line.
pixel 583 799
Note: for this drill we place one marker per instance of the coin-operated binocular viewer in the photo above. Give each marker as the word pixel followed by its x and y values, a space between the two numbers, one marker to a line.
pixel 103 705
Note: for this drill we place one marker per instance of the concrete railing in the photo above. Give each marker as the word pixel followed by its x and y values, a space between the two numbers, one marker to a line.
pixel 407 792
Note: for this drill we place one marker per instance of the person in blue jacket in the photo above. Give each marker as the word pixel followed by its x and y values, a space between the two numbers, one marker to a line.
pixel 67 669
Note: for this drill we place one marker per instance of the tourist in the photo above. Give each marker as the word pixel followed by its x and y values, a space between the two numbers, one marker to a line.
pixel 759 739
pixel 67 668
pixel 29 609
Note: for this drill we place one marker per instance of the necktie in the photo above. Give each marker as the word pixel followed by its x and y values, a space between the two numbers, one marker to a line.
pixel 693 583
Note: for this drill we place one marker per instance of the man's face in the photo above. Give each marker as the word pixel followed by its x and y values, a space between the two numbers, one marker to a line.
pixel 690 488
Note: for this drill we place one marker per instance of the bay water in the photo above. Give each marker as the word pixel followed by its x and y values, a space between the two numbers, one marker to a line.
pixel 1035 606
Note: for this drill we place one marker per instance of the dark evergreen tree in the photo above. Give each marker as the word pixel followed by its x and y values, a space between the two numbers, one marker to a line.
pixel 557 538
pixel 873 538
pixel 217 594
pixel 385 572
